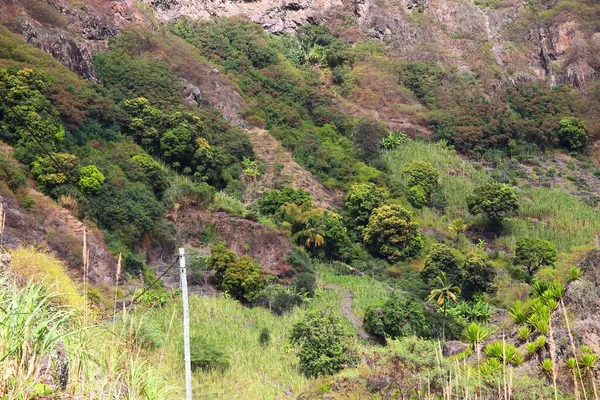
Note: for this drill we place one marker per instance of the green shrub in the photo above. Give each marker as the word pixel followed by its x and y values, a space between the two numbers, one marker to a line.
pixel 264 338
pixel 572 133
pixel 478 277
pixel 495 201
pixel 280 299
pixel 441 258
pixel 396 317
pixel 392 233
pixel 272 200
pixel 305 284
pixel 243 280
pixel 321 341
pixel 360 201
pixel 505 352
pixel 90 179
pixel 417 196
pixel 423 174
pixel 206 356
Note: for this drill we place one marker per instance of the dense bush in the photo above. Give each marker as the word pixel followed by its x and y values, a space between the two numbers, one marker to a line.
pixel 478 278
pixel 495 201
pixel 272 200
pixel 280 299
pixel 417 196
pixel 220 260
pixel 321 344
pixel 243 280
pixel 392 233
pixel 360 201
pixel 367 137
pixel 441 259
pixel 396 317
pixel 421 174
pixel 572 133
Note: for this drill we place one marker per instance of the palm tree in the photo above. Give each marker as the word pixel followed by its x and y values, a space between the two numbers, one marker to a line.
pixel 457 226
pixel 443 292
pixel 313 238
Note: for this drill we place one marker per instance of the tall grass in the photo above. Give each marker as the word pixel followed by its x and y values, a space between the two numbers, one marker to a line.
pixel 550 214
pixel 457 177
pixel 29 264
pixel 256 371
pixel 45 345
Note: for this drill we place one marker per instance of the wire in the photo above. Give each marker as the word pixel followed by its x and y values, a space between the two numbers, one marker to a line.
pixel 146 289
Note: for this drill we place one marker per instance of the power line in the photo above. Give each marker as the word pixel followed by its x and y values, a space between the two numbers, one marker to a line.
pixel 148 288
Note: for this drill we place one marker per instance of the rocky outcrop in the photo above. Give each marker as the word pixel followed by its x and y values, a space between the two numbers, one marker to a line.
pixel 71 52
pixel 274 16
pixel 70 32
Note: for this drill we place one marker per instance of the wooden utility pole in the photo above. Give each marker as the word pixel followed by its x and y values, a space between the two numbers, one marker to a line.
pixel 186 326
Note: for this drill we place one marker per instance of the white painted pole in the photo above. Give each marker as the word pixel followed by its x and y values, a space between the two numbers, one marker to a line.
pixel 186 326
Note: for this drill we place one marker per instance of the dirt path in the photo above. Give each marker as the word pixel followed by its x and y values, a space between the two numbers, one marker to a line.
pixel 346 305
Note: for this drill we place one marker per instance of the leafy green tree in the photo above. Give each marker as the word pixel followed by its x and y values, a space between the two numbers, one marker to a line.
pixel 321 341
pixel 91 179
pixel 397 316
pixel 361 200
pixel 423 174
pixel 392 233
pixel 177 145
pixel 272 200
pixel 220 260
pixel 27 119
pixel 53 171
pixel 243 280
pixel 478 278
pixel 441 259
pixel 533 253
pixel 495 201
pixel 150 171
pixel 572 133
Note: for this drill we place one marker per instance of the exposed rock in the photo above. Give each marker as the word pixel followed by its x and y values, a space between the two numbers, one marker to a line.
pixel 244 237
pixel 274 16
pixel 377 383
pixel 453 347
pixel 71 52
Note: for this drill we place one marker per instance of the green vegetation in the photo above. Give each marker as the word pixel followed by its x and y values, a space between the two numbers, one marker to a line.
pixel 391 233
pixel 320 338
pixel 396 317
pixel 427 244
pixel 495 201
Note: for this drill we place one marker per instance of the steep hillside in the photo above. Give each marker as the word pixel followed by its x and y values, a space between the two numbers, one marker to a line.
pixel 377 198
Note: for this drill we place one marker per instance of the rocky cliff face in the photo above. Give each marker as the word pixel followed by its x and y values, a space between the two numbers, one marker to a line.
pixel 71 32
pixel 508 38
pixel 507 43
